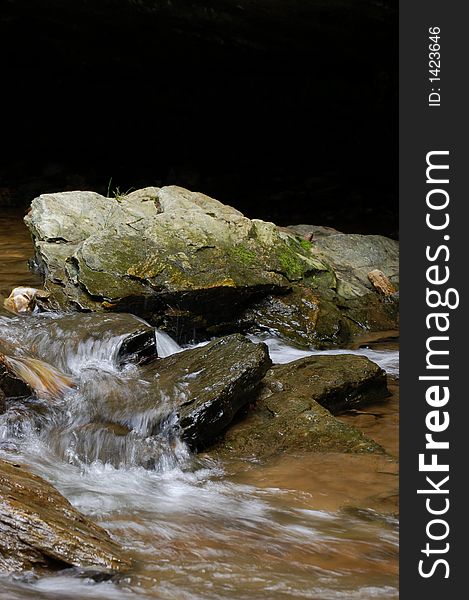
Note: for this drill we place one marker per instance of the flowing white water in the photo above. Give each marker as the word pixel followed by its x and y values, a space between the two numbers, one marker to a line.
pixel 165 344
pixel 281 353
pixel 115 415
pixel 197 529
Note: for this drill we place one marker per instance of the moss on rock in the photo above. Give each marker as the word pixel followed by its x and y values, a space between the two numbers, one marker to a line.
pixel 167 249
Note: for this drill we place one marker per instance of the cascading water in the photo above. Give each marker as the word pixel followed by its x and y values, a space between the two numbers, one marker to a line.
pixel 151 494
pixel 165 344
pixel 115 414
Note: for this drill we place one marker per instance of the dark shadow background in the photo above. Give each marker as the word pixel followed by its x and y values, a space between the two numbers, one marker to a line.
pixel 286 109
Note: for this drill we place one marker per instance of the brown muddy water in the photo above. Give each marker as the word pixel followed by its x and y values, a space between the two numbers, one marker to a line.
pixel 297 526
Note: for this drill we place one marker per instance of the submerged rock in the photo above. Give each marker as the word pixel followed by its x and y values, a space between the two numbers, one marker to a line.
pixel 11 386
pixel 196 267
pixel 291 412
pixel 40 529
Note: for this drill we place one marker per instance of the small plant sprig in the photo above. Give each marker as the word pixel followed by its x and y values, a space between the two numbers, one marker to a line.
pixel 116 192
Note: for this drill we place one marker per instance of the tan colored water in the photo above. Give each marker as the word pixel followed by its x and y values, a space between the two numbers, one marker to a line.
pixel 15 250
pixel 299 526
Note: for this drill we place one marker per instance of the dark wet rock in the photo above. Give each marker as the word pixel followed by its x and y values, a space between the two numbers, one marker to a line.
pixel 293 316
pixel 193 395
pixel 306 317
pixel 330 307
pixel 203 388
pixel 319 318
pixel 11 387
pixel 40 529
pixel 218 380
pixel 291 412
pixel 338 383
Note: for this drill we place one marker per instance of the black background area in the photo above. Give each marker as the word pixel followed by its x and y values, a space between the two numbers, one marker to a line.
pixel 283 108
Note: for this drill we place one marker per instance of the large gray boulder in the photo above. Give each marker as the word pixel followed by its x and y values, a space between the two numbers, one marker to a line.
pixel 190 264
pixel 40 529
pixel 160 253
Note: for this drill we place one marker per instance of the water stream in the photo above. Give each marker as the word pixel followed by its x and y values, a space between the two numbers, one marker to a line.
pixel 297 526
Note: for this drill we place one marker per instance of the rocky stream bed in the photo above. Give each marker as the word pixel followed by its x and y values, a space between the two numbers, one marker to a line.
pixel 203 351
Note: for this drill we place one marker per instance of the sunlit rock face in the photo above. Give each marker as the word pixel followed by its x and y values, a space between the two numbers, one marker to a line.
pixel 196 267
pixel 163 253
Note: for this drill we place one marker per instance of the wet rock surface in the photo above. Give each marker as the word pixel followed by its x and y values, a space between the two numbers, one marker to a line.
pixel 134 414
pixel 294 316
pixel 196 267
pixel 11 387
pixel 194 394
pixel 291 412
pixel 220 378
pixel 336 382
pixel 40 530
